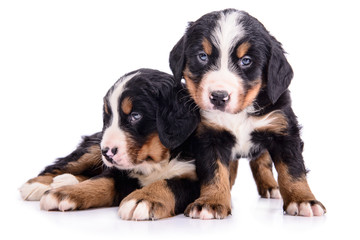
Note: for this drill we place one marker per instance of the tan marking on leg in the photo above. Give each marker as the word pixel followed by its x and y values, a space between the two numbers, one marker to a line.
pixel 207 46
pixel 91 193
pixel 291 189
pixel 153 201
pixel 126 105
pixel 81 178
pixel 242 49
pixel 215 198
pixel 91 160
pixel 233 171
pixel 298 198
pixel 48 178
pixel 261 168
pixel 44 179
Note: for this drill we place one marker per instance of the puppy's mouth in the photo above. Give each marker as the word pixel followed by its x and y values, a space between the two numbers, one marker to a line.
pixel 223 105
pixel 117 163
pixel 222 109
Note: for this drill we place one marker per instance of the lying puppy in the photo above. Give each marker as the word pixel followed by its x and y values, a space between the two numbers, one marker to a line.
pixel 148 169
pixel 237 74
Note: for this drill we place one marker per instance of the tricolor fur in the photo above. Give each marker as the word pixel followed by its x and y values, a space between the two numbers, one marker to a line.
pixel 139 158
pixel 238 76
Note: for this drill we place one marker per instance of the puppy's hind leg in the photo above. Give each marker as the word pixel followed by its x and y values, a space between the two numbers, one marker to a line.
pixel 84 162
pixel 261 168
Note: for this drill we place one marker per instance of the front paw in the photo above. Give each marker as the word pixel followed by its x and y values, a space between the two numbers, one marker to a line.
pixel 207 208
pixel 141 206
pixel 61 199
pixel 305 208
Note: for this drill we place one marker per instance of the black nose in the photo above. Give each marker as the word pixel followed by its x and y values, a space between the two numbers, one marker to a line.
pixel 109 154
pixel 114 150
pixel 219 98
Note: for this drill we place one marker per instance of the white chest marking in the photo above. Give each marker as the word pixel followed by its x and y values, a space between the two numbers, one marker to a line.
pixel 152 172
pixel 241 125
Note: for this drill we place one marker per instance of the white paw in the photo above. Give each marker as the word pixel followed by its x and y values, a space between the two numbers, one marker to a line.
pixel 66 205
pixel 141 211
pixel 51 202
pixel 206 211
pixel 63 180
pixel 130 210
pixel 305 209
pixel 204 214
pixel 33 191
pixel 126 209
pixel 194 213
pixel 275 193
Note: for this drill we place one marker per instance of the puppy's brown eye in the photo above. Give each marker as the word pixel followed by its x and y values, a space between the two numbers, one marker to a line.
pixel 134 117
pixel 245 61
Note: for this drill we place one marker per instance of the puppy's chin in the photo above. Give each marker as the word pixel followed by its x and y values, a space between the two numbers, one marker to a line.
pixel 225 110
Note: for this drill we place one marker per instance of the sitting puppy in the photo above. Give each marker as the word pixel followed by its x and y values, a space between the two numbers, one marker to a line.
pixel 238 76
pixel 147 167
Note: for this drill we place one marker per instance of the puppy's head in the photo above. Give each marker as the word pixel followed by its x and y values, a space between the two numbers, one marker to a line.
pixel 227 58
pixel 145 117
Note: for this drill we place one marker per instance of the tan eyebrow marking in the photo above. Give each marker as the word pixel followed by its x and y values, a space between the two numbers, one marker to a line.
pixel 207 46
pixel 242 49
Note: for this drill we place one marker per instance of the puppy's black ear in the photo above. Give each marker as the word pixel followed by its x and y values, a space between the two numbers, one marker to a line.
pixel 177 118
pixel 177 59
pixel 279 73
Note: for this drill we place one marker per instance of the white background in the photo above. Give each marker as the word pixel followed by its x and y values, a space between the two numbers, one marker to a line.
pixel 58 59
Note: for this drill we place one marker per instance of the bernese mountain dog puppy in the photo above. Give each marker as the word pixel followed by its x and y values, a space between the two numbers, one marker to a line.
pixel 238 76
pixel 148 167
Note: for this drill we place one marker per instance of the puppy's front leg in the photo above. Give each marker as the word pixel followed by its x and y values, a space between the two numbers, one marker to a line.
pixel 286 153
pixel 298 198
pixel 161 199
pixel 213 154
pixel 215 198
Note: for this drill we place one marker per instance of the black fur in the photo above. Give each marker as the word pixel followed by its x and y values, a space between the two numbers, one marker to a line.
pixel 279 73
pixel 185 191
pixel 211 145
pixel 176 117
pixel 61 164
pixel 166 110
pixel 269 64
pixel 174 121
pixel 124 184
